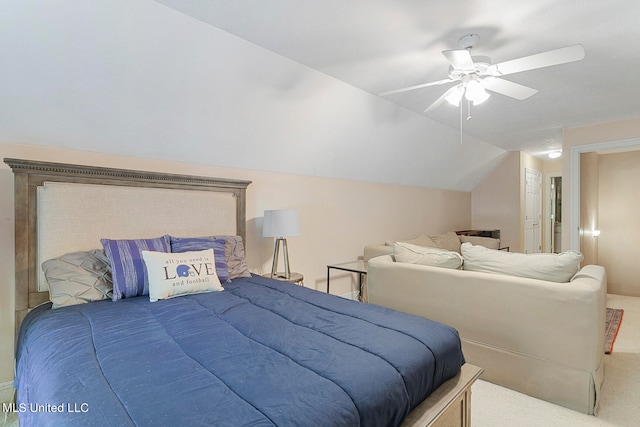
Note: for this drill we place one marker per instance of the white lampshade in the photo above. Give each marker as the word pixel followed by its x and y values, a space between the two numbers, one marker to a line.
pixel 475 92
pixel 281 223
pixel 455 95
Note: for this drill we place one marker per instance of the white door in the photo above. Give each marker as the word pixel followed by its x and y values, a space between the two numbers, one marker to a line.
pixel 532 212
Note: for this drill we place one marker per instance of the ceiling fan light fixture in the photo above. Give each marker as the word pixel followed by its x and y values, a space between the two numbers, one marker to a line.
pixel 455 96
pixel 476 92
pixel 475 74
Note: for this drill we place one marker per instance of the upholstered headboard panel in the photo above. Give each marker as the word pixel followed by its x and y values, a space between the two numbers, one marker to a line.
pixel 61 208
pixel 74 217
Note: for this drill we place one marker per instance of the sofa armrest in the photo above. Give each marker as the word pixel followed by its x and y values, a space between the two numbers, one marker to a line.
pixel 372 251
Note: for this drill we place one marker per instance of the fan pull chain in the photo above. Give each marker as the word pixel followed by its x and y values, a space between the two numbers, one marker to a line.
pixel 461 121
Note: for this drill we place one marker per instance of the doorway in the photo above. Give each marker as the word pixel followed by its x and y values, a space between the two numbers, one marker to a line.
pixel 572 211
pixel 554 235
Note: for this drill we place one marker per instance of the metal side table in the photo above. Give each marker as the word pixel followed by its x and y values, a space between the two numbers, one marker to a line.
pixel 359 267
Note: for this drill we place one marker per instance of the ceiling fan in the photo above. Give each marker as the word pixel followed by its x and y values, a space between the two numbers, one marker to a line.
pixel 476 74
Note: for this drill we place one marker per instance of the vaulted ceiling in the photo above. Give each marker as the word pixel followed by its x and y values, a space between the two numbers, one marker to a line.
pixel 293 86
pixel 378 46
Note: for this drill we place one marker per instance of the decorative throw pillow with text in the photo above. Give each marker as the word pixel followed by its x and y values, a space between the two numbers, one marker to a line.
pixel 175 274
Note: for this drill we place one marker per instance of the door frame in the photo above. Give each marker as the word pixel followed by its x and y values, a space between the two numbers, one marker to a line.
pixel 573 210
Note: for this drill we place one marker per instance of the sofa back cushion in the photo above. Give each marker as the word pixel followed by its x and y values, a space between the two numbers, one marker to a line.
pixel 435 257
pixel 487 242
pixel 449 241
pixel 543 266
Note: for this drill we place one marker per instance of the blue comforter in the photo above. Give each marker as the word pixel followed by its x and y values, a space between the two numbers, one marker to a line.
pixel 262 352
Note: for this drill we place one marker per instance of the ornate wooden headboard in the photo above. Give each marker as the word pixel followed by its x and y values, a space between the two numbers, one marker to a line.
pixel 31 176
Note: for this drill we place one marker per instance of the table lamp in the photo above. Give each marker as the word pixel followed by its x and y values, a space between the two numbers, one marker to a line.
pixel 280 224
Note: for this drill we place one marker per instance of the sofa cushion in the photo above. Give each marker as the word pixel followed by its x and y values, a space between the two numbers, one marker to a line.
pixel 449 241
pixel 487 242
pixel 435 257
pixel 543 266
pixel 423 240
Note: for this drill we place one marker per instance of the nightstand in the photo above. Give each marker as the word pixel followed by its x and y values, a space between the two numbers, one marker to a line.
pixel 295 278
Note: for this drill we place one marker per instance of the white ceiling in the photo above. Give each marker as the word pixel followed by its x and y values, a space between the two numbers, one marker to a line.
pixel 380 45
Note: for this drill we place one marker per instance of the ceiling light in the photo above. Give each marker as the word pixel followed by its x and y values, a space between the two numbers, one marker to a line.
pixel 475 92
pixel 555 154
pixel 455 95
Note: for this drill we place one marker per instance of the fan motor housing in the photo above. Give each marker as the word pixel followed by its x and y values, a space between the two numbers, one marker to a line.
pixel 481 66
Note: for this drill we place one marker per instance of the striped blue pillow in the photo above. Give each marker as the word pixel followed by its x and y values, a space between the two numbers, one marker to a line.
pixel 187 244
pixel 127 266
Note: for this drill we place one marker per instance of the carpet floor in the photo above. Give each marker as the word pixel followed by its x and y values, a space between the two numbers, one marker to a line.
pixel 495 406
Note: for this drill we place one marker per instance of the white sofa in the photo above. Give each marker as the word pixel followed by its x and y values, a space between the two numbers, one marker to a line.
pixel 541 338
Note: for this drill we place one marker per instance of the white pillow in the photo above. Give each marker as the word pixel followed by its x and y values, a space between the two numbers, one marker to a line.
pixel 175 274
pixel 487 242
pixel 435 257
pixel 543 266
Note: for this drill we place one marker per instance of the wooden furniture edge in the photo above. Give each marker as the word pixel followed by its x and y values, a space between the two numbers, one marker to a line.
pixel 450 401
pixel 30 174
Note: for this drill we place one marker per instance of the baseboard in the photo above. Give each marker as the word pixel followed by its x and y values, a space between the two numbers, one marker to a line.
pixel 6 391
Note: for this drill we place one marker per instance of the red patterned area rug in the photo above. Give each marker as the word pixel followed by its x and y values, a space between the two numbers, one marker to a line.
pixel 614 320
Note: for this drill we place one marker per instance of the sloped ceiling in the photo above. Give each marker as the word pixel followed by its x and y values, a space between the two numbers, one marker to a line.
pixel 292 86
pixel 139 79
pixel 382 45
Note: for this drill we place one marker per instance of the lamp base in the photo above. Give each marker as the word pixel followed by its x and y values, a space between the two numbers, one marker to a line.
pixel 295 278
pixel 280 242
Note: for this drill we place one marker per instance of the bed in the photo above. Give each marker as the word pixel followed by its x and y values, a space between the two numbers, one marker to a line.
pixel 249 351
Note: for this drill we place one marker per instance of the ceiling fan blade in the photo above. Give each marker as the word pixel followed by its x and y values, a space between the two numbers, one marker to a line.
pixel 440 100
pixel 420 86
pixel 508 88
pixel 460 59
pixel 540 60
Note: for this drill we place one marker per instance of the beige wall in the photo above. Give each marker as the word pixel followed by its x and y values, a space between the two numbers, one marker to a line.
pixel 619 221
pixel 608 132
pixel 589 207
pixel 338 217
pixel 498 200
pixel 495 201
pixel 609 252
pixel 552 166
